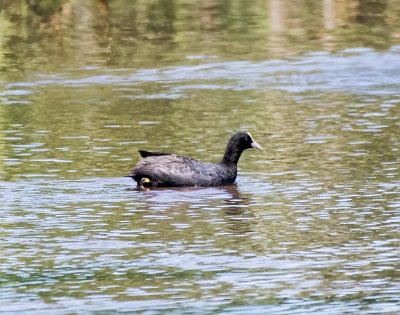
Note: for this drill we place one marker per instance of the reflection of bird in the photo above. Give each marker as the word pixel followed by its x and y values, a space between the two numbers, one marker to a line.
pixel 171 170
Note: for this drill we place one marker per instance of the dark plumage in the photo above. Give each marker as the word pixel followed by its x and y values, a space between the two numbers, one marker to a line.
pixel 170 170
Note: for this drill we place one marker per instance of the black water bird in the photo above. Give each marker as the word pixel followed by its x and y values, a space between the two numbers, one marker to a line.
pixel 159 169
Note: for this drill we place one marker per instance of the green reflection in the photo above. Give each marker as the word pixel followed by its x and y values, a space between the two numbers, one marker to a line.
pixel 74 33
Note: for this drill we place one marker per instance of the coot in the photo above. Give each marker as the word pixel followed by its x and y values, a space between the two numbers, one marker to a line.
pixel 159 169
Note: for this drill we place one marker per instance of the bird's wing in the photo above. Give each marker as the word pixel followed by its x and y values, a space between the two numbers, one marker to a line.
pixel 167 170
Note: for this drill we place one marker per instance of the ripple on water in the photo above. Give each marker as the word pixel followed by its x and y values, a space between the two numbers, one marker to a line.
pixel 375 75
pixel 311 226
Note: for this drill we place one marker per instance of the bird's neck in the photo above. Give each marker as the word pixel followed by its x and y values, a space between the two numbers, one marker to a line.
pixel 231 156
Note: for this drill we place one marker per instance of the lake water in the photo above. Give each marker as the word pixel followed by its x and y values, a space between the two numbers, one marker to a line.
pixel 312 223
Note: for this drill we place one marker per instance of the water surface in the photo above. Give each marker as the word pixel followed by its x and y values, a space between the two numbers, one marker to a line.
pixel 312 224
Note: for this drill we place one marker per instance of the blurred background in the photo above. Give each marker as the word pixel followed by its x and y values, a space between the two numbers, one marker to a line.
pixel 142 34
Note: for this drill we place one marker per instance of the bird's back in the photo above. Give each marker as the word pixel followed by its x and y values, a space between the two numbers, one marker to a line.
pixel 178 170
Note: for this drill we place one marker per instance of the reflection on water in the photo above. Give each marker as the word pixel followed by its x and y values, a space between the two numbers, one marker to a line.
pixel 285 246
pixel 312 224
pixel 122 33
